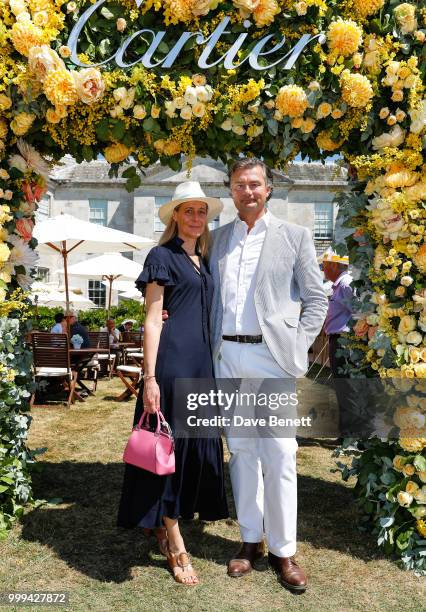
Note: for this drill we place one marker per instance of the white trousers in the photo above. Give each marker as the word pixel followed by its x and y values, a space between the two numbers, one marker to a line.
pixel 263 470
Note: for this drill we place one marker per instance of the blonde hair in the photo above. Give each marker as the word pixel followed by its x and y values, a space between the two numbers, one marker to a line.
pixel 203 241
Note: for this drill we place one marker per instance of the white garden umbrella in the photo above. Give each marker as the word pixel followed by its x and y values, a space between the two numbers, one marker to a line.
pixel 112 267
pixel 66 233
pixel 54 298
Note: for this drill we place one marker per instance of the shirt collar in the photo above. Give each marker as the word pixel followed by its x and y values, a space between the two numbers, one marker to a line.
pixel 261 224
pixel 340 278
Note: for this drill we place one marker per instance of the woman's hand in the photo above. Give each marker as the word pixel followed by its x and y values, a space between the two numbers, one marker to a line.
pixel 151 396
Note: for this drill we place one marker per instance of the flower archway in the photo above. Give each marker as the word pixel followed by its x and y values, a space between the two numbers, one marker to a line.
pixel 162 79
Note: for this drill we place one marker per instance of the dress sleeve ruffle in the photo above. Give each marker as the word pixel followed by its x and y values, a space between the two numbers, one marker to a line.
pixel 151 273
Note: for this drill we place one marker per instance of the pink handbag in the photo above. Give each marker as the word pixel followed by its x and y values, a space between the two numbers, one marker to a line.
pixel 151 450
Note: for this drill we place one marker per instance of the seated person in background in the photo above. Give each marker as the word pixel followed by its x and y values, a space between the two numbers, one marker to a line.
pixel 60 326
pixel 77 328
pixel 113 332
pixel 126 326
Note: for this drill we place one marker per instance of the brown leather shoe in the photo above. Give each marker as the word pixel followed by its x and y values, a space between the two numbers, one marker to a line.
pixel 243 563
pixel 291 575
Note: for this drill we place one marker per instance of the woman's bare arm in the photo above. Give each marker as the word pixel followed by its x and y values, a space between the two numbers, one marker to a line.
pixel 154 297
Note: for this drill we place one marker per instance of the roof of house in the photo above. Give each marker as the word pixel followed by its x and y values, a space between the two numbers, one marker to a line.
pixel 204 170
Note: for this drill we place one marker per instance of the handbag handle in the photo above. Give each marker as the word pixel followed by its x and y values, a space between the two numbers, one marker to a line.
pixel 160 420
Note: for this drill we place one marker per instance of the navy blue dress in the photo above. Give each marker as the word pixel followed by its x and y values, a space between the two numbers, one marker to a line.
pixel 184 352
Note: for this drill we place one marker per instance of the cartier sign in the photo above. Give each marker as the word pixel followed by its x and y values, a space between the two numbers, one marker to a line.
pixel 205 61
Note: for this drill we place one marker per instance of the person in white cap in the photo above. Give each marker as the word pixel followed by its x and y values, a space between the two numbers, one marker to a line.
pixel 176 278
pixel 268 308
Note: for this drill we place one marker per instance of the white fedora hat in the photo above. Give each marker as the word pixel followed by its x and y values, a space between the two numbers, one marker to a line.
pixel 190 191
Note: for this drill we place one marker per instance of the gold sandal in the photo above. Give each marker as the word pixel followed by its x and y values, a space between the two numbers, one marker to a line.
pixel 181 568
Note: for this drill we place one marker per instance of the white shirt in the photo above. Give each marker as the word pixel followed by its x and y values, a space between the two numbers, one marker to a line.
pixel 240 274
pixel 57 329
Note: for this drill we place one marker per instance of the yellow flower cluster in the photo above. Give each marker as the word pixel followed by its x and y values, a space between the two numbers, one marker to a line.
pixel 421 527
pixel 357 90
pixel 326 143
pixel 116 153
pixel 344 37
pixel 365 8
pixel 291 101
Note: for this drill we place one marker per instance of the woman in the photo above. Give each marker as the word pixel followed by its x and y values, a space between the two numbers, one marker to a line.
pixel 176 278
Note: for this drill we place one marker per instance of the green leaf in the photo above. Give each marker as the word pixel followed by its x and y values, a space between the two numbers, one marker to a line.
pixel 118 130
pixel 3 488
pixel 149 124
pixel 102 129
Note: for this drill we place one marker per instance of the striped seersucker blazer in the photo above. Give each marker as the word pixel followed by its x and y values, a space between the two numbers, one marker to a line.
pixel 290 301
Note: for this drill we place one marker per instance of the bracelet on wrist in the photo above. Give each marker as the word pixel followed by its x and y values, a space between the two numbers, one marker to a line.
pixel 148 376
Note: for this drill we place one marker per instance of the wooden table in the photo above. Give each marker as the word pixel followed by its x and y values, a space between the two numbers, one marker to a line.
pixel 82 357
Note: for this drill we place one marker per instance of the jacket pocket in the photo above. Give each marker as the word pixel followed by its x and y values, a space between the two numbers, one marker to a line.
pixel 292 321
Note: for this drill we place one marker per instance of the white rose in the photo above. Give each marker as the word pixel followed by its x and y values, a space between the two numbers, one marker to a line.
pixel 8 195
pixel 420 495
pixel 407 323
pixel 119 94
pixel 314 86
pixel 89 84
pixel 71 7
pixel 414 337
pixel 41 18
pixel 227 125
pixel 179 102
pixel 42 60
pixel 117 111
pixel 301 8
pixel 199 109
pixel 186 112
pixel 170 108
pixel 404 499
pixel 129 98
pixel 418 118
pixel 23 17
pixel 406 281
pixel 17 6
pixel 202 93
pixel 190 95
pixel 392 139
pixel 139 111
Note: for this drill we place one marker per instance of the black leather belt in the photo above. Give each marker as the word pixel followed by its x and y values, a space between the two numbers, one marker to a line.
pixel 244 339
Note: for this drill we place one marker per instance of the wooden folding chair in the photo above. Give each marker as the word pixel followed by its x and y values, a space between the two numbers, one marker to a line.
pixel 133 354
pixel 51 359
pixel 131 376
pixel 101 340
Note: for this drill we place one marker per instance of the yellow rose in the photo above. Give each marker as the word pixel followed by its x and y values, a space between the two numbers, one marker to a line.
pixel 265 12
pixel 172 147
pixel 5 102
pixel 139 111
pixel 155 112
pixel 159 145
pixel 297 122
pixel 291 100
pixel 405 15
pixel 422 476
pixel 26 35
pixel 398 463
pixel 42 60
pixel 22 123
pixel 60 89
pixel 410 443
pixel 411 486
pixel 344 37
pixel 116 153
pixel 64 51
pixel 420 370
pixel 6 277
pixel 414 354
pixel 420 495
pixel 324 109
pixel 301 8
pixel 121 24
pixel 397 96
pixel 89 85
pixel 400 291
pixel 199 80
pixel 337 113
pixel 308 125
pixel 420 258
pixel 407 323
pixel 52 115
pixel 404 499
pixel 325 142
pixel 199 109
pixel 357 90
pixel 41 18
pixel 186 112
pixel 4 252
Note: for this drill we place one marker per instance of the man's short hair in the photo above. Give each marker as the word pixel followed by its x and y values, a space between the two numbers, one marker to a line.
pixel 59 317
pixel 250 162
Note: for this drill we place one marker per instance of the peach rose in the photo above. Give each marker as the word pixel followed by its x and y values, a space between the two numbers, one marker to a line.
pixel 89 84
pixel 24 227
pixel 360 328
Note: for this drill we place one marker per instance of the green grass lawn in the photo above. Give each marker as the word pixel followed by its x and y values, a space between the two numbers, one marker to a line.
pixel 75 546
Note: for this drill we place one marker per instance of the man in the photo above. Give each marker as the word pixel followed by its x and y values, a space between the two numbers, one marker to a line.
pixel 335 268
pixel 113 332
pixel 59 327
pixel 268 307
pixel 77 328
pixel 126 326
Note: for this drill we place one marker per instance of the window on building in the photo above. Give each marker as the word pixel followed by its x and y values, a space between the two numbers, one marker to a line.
pixel 323 227
pixel 98 212
pixel 159 201
pixel 42 274
pixel 43 210
pixel 97 293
